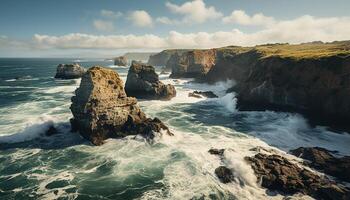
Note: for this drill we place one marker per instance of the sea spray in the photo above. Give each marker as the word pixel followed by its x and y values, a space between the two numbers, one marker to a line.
pixel 229 101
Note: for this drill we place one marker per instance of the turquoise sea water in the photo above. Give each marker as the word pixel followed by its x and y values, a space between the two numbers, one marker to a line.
pixel 65 166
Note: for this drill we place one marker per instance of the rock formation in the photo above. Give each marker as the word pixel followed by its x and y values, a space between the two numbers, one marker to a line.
pixel 224 174
pixel 200 94
pixel 121 61
pixel 102 110
pixel 69 71
pixel 143 82
pixel 312 79
pixel 161 59
pixel 322 159
pixel 192 64
pixel 278 173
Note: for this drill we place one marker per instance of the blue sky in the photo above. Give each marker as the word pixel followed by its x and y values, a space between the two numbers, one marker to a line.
pixel 107 27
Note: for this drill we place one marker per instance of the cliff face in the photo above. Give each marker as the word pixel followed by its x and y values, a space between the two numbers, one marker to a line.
pixel 310 78
pixel 161 59
pixel 102 110
pixel 192 64
pixel 319 87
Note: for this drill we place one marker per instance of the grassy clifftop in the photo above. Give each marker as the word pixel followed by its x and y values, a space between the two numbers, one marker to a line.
pixel 314 50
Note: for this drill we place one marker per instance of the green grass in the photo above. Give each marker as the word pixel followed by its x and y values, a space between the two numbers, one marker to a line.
pixel 313 50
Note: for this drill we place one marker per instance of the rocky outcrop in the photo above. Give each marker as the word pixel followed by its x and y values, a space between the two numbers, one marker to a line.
pixel 219 152
pixel 69 71
pixel 101 109
pixel 143 82
pixel 278 173
pixel 192 64
pixel 121 61
pixel 200 94
pixel 322 159
pixel 224 174
pixel 161 59
pixel 312 79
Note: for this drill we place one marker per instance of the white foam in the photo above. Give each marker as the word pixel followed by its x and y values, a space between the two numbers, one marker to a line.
pixel 229 101
pixel 31 131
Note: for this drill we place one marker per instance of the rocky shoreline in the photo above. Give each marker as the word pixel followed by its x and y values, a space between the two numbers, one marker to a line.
pixel 311 79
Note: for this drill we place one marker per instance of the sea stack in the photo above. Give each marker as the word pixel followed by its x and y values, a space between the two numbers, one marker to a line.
pixel 69 71
pixel 143 82
pixel 121 61
pixel 101 109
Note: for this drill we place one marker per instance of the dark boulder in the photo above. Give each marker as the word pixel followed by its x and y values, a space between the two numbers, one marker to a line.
pixel 218 152
pixel 322 159
pixel 200 94
pixel 278 173
pixel 69 71
pixel 224 174
pixel 143 82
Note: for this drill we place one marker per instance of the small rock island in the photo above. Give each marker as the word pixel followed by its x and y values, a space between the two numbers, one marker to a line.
pixel 69 71
pixel 143 82
pixel 121 61
pixel 101 109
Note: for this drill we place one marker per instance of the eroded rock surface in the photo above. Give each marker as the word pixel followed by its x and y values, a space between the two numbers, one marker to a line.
pixel 69 71
pixel 322 159
pixel 192 64
pixel 121 61
pixel 143 82
pixel 278 173
pixel 101 109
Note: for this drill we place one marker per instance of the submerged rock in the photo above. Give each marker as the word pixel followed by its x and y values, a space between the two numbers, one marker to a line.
pixel 143 82
pixel 69 71
pixel 121 61
pixel 322 159
pixel 101 109
pixel 224 174
pixel 219 152
pixel 200 94
pixel 278 173
pixel 51 131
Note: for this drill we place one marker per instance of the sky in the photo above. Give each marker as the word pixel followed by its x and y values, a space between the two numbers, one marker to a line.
pixel 102 28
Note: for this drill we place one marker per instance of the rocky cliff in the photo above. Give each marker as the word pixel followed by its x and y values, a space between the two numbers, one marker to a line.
pixel 101 109
pixel 161 59
pixel 311 78
pixel 143 82
pixel 69 71
pixel 192 64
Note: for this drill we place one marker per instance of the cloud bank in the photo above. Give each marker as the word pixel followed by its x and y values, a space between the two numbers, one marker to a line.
pixel 302 29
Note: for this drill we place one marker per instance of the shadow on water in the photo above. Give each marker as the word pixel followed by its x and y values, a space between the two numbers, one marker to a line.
pixel 34 137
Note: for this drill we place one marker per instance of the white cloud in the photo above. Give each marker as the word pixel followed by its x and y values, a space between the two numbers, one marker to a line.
pixel 166 20
pixel 240 17
pixel 194 11
pixel 302 29
pixel 110 14
pixel 141 18
pixel 102 25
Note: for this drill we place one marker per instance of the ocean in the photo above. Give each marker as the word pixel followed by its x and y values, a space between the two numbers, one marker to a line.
pixel 65 166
